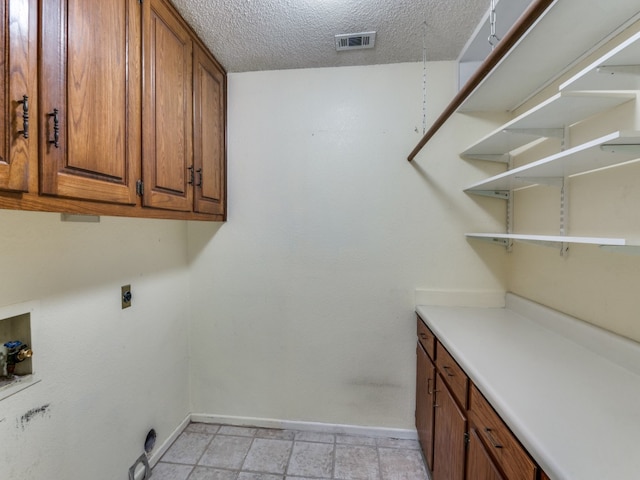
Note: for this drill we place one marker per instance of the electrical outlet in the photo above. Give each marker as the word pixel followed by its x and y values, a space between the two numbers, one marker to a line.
pixel 126 296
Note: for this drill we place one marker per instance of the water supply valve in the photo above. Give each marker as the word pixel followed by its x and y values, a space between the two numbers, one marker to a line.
pixel 16 353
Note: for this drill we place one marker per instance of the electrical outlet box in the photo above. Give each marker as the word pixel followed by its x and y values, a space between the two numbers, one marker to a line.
pixel 126 296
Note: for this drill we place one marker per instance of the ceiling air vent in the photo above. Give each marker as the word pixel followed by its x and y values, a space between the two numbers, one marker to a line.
pixel 355 41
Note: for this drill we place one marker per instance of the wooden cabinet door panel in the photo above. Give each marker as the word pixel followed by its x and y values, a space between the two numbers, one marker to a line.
pixel 167 109
pixel 15 64
pixel 479 463
pixel 449 440
pixel 90 74
pixel 425 384
pixel 209 90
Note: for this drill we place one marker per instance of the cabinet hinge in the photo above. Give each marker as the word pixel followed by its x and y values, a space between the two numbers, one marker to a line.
pixel 467 439
pixel 139 188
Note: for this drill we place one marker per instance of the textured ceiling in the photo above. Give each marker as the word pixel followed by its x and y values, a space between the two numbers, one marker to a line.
pixel 249 35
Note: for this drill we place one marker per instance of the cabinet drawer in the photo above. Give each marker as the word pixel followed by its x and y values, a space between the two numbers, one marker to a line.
pixel 452 374
pixel 426 338
pixel 510 456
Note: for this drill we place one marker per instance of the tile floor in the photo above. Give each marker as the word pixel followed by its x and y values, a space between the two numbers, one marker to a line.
pixel 220 452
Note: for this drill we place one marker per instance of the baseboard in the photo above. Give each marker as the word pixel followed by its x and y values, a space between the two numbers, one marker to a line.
pixel 383 432
pixel 157 454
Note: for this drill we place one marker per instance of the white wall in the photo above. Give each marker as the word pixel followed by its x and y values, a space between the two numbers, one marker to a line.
pixel 305 297
pixel 107 375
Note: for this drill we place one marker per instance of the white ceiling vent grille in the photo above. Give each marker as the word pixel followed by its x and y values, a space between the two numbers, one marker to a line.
pixel 355 41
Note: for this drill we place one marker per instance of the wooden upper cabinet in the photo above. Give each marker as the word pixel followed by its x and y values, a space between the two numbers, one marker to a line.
pixel 90 99
pixel 17 92
pixel 167 167
pixel 209 120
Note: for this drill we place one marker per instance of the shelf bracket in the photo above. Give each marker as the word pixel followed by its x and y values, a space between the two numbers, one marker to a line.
pixel 501 194
pixel 619 69
pixel 509 219
pixel 538 132
pixel 505 242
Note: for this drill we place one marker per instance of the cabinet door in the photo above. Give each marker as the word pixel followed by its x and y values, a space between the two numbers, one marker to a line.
pixel 479 464
pixel 450 427
pixel 425 384
pixel 90 99
pixel 167 167
pixel 15 86
pixel 209 119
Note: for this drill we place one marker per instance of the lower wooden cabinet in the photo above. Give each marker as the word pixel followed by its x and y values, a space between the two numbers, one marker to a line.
pixel 461 435
pixel 480 466
pixel 449 437
pixel 425 386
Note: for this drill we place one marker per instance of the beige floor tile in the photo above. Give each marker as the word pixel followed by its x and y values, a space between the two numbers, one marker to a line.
pixel 318 437
pixel 311 460
pixel 169 471
pixel 397 464
pixel 187 448
pixel 355 462
pixel 275 433
pixel 209 428
pixel 268 455
pixel 205 473
pixel 398 443
pixel 226 452
pixel 258 476
pixel 355 440
pixel 239 431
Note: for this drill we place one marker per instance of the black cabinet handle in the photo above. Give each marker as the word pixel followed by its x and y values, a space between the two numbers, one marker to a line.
pixel 25 116
pixel 199 172
pixel 190 182
pixel 493 442
pixel 56 128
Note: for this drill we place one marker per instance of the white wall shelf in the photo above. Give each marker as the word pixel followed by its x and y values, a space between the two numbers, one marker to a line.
pixel 504 239
pixel 547 119
pixel 619 69
pixel 609 150
pixel 555 42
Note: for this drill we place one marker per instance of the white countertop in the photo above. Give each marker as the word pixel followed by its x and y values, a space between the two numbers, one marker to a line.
pixel 574 408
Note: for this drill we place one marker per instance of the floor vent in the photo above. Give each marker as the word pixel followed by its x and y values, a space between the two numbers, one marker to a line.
pixel 355 41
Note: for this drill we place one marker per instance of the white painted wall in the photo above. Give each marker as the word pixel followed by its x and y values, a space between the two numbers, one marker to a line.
pixel 107 375
pixel 305 297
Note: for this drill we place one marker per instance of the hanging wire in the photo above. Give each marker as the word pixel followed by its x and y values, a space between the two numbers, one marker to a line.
pixel 493 38
pixel 424 78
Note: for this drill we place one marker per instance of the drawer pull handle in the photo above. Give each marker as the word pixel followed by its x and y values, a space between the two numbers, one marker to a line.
pixel 25 116
pixel 56 128
pixel 448 371
pixel 493 442
pixel 435 402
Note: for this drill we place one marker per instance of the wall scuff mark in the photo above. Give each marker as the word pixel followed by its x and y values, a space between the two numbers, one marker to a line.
pixel 31 414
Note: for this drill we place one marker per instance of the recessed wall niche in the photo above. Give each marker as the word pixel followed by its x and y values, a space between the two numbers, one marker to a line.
pixel 16 349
